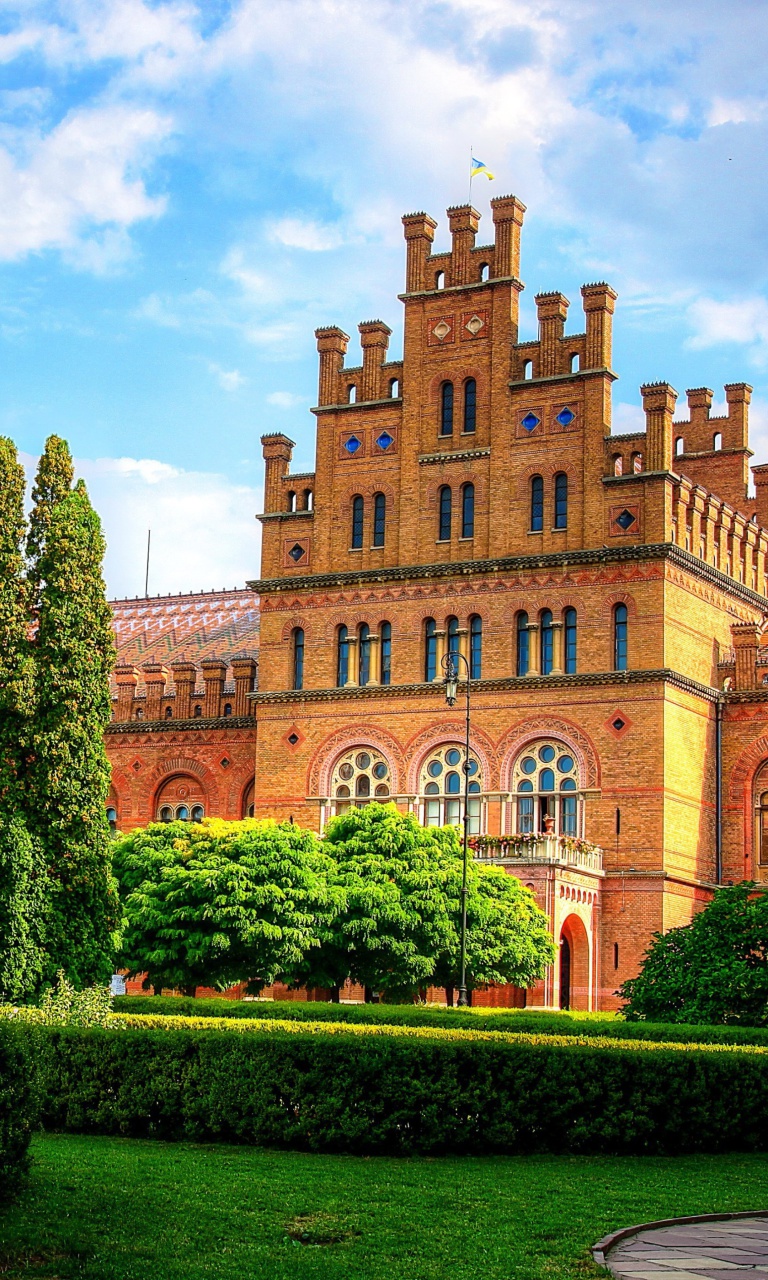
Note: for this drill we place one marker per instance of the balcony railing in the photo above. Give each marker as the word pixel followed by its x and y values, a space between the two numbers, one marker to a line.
pixel 538 848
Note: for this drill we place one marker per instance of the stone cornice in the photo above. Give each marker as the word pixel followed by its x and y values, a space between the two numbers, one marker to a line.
pixel 635 554
pixel 471 286
pixel 576 375
pixel 459 455
pixel 184 726
pixel 285 515
pixel 356 404
pixel 503 684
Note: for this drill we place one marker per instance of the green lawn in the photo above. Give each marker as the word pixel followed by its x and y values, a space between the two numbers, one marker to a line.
pixel 122 1209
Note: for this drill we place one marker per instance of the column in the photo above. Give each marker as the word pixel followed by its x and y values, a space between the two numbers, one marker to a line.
pixel 557 648
pixel 534 657
pixel 374 661
pixel 353 665
pixel 439 654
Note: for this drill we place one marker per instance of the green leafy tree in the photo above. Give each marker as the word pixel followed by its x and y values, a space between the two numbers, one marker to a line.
pixel 508 938
pixel 55 474
pixel 713 970
pixel 68 776
pixel 393 921
pixel 22 878
pixel 218 903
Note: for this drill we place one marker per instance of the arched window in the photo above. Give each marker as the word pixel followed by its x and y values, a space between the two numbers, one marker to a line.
pixel 291 500
pixel 351 393
pixel 470 404
pixel 181 798
pixel 440 280
pixel 468 511
pixel 198 813
pixel 358 515
pixel 452 634
pixel 618 464
pixel 717 440
pixel 360 775
pixel 620 629
pixel 561 500
pixel 523 638
pixel 444 519
pixel 165 814
pixel 364 649
pixel 385 646
pixel 446 409
pixel 484 271
pixel 198 711
pixel 379 519
pixel 249 800
pixel 112 817
pixel 679 446
pixel 637 463
pixel 441 788
pixel 394 388
pixel 297 638
pixel 309 500
pixel 574 362
pixel 545 623
pixel 537 504
pixel 475 647
pixel 545 784
pixel 342 657
pixel 182 813
pixel 138 713
pixel 569 636
pixel 527 369
pixel 227 708
pixel 430 649
pixel 169 713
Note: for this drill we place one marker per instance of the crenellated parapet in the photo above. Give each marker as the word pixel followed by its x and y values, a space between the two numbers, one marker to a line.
pixel 210 690
pixel 557 354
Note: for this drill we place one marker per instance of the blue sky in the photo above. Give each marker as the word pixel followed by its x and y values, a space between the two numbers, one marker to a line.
pixel 189 189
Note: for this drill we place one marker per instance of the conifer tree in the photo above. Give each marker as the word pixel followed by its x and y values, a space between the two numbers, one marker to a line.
pixel 55 473
pixel 22 877
pixel 69 770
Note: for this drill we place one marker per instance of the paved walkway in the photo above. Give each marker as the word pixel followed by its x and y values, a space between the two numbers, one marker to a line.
pixel 724 1250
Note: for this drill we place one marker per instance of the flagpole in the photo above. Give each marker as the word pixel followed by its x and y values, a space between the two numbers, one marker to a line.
pixel 470 173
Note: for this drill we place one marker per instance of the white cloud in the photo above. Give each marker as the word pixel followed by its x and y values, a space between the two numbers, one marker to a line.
pixel 204 534
pixel 300 233
pixel 744 321
pixel 285 400
pixel 228 379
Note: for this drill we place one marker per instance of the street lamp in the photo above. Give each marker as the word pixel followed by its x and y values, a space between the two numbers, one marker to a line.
pixel 451 665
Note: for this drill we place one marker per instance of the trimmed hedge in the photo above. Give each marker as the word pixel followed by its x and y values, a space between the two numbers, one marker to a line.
pixel 509 1021
pixel 18 1103
pixel 368 1091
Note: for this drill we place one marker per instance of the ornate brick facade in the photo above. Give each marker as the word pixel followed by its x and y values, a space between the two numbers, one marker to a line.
pixel 607 592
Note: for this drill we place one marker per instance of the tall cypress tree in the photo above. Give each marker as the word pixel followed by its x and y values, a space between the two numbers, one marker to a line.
pixel 55 473
pixel 22 877
pixel 69 770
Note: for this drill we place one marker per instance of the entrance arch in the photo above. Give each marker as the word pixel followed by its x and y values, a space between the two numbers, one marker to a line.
pixel 575 965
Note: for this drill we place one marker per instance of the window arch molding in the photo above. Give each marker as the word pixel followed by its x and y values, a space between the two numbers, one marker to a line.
pixel 439 735
pixel 329 753
pixel 290 627
pixel 181 796
pixel 176 766
pixel 552 729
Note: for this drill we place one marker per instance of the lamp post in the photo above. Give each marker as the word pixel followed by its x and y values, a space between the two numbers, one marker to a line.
pixel 451 665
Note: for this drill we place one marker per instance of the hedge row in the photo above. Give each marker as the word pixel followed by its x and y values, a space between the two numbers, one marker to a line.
pixel 18 1104
pixel 510 1021
pixel 408 1092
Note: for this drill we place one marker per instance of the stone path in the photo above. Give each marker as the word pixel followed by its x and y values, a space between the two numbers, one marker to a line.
pixel 719 1250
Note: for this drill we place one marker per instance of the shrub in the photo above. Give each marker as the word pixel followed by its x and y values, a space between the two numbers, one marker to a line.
pixel 372 1090
pixel 18 1103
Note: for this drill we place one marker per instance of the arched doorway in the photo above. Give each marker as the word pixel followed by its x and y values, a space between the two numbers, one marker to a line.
pixel 181 799
pixel 574 965
pixel 248 800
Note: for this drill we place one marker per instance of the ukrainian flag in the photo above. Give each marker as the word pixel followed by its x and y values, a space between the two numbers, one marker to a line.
pixel 479 167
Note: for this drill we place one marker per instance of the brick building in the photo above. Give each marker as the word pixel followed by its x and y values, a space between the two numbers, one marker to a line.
pixel 607 593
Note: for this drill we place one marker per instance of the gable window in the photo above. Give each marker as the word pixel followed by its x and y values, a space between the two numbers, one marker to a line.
pixel 430 649
pixel 385 644
pixel 561 500
pixel 523 641
pixel 569 629
pixel 470 404
pixel 468 511
pixel 475 647
pixel 298 657
pixel 620 629
pixel 379 519
pixel 446 409
pixel 537 504
pixel 342 657
pixel 358 515
pixel 444 519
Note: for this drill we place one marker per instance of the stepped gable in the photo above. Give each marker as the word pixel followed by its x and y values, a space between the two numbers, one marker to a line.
pixel 191 628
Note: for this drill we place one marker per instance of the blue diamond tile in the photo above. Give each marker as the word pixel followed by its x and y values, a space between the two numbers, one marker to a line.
pixel 565 417
pixel 353 444
pixel 625 519
pixel 530 421
pixel 296 552
pixel 385 440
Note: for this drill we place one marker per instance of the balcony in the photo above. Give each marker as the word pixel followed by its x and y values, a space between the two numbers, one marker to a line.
pixel 519 849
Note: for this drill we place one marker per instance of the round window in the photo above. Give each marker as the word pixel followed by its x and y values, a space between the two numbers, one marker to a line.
pixel 346 771
pixel 528 765
pixel 362 760
pixel 380 770
pixel 452 756
pixel 565 764
pixel 547 754
pixel 434 768
pixel 472 767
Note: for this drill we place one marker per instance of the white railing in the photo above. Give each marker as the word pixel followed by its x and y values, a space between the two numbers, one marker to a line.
pixel 538 848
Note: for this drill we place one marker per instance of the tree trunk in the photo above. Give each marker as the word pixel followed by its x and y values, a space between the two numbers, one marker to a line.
pixel 449 997
pixel 369 995
pixel 191 990
pixel 157 991
pixel 335 995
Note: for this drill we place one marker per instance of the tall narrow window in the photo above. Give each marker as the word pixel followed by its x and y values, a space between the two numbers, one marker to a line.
pixel 470 404
pixel 620 637
pixel 385 646
pixel 468 511
pixel 358 511
pixel 475 647
pixel 452 634
pixel 446 409
pixel 342 662
pixel 298 657
pixel 561 500
pixel 364 648
pixel 444 522
pixel 521 668
pixel 537 504
pixel 430 649
pixel 379 519
pixel 569 619
pixel 545 623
